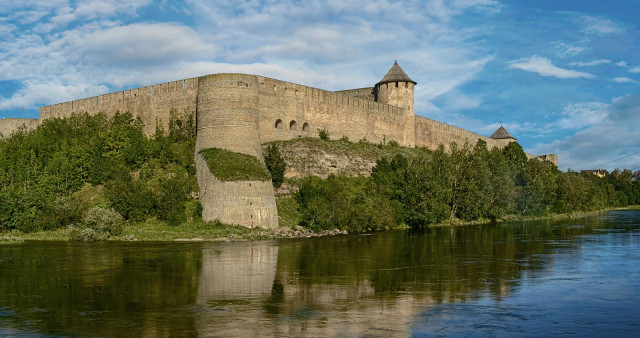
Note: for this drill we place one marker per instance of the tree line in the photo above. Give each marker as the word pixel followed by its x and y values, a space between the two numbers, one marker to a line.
pixel 466 184
pixel 92 171
pixel 95 172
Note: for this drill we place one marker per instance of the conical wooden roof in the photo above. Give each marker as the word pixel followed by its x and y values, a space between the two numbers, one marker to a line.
pixel 396 74
pixel 501 133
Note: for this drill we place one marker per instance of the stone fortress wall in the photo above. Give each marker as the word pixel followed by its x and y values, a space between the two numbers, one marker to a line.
pixel 151 103
pixel 239 112
pixel 8 126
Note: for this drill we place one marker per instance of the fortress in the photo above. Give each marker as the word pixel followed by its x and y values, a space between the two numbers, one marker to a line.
pixel 239 112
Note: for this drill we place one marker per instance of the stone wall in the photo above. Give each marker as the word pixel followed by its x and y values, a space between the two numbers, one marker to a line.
pixel 289 110
pixel 151 103
pixel 8 126
pixel 228 118
pixel 239 112
pixel 361 93
pixel 431 133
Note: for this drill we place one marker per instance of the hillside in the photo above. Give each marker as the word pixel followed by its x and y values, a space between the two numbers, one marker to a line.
pixel 316 157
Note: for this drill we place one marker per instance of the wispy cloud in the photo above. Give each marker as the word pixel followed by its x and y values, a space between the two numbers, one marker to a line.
pixel 623 80
pixel 543 67
pixel 565 49
pixel 617 134
pixel 590 63
pixel 599 25
pixel 635 69
pixel 580 115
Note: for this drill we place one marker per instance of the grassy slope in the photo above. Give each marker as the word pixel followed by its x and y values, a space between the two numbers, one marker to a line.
pixel 229 166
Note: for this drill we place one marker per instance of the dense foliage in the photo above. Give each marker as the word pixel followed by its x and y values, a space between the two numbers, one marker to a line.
pixel 463 184
pixel 88 171
pixel 275 164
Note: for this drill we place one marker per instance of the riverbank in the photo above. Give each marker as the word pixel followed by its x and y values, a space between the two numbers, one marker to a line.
pixel 519 218
pixel 199 231
pixel 158 231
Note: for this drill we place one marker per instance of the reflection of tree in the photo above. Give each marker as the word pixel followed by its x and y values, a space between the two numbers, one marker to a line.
pixel 445 263
pixel 107 289
pixel 351 285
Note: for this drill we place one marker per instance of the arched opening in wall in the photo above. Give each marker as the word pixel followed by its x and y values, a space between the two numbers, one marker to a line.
pixel 293 125
pixel 305 127
pixel 279 124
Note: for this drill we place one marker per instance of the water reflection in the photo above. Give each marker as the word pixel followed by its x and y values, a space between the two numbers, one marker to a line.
pixel 378 284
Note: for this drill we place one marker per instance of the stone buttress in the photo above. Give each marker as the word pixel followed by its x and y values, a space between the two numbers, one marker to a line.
pixel 228 118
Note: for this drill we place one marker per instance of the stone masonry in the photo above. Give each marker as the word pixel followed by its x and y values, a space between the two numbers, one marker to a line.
pixel 239 112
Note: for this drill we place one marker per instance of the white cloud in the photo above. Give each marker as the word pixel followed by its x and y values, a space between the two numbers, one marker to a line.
pixel 623 80
pixel 599 25
pixel 622 64
pixel 590 63
pixel 616 135
pixel 544 67
pixel 635 69
pixel 564 49
pixel 580 115
pixel 331 45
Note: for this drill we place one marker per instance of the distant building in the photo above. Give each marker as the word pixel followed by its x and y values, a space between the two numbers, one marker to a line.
pixel 598 172
pixel 635 176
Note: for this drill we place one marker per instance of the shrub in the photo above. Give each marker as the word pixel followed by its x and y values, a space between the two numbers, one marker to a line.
pixel 86 234
pixel 275 164
pixel 324 134
pixel 106 221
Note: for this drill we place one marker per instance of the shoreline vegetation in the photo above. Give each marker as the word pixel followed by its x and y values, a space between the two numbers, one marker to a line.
pixel 199 231
pixel 99 178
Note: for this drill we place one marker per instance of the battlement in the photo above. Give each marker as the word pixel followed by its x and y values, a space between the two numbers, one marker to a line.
pixel 152 103
pixel 239 112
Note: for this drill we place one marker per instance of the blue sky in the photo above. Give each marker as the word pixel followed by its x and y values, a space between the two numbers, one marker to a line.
pixel 562 76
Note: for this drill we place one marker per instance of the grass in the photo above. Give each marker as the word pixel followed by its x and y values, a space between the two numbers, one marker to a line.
pixel 231 166
pixel 151 230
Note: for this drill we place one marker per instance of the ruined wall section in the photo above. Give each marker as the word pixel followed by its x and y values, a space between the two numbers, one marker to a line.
pixel 151 103
pixel 289 110
pixel 228 118
pixel 8 126
pixel 361 93
pixel 430 133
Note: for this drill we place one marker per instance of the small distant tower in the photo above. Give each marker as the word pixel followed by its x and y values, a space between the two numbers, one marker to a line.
pixel 502 134
pixel 396 88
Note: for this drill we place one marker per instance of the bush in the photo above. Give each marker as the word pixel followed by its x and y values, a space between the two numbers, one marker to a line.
pixel 275 164
pixel 324 134
pixel 86 234
pixel 102 220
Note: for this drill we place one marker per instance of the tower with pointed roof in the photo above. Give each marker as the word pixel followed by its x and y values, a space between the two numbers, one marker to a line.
pixel 502 134
pixel 396 89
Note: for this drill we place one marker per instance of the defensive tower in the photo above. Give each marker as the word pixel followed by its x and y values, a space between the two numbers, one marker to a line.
pixel 228 118
pixel 396 89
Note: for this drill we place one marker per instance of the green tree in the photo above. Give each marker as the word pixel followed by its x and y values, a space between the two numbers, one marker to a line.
pixel 275 164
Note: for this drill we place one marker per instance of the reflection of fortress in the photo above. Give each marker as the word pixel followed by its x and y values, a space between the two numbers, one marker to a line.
pixel 239 112
pixel 242 293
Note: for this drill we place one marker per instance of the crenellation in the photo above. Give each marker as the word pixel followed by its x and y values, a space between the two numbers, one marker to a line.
pixel 238 112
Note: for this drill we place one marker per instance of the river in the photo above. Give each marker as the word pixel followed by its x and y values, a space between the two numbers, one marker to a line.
pixel 573 277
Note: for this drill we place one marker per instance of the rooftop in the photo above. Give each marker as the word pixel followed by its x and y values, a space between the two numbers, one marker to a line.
pixel 396 74
pixel 501 133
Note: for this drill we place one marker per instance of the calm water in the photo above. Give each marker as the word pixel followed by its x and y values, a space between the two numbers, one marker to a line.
pixel 579 277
